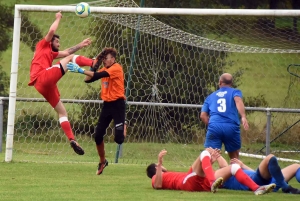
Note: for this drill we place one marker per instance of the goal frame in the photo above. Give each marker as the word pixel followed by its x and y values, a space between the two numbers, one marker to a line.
pixel 105 10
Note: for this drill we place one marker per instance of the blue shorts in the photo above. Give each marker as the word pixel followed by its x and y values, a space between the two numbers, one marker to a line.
pixel 226 133
pixel 259 180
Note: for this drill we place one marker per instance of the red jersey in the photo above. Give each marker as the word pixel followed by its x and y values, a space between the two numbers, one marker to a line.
pixel 187 181
pixel 112 87
pixel 42 59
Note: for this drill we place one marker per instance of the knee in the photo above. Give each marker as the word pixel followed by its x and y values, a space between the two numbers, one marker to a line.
pixel 234 168
pixel 98 139
pixel 119 136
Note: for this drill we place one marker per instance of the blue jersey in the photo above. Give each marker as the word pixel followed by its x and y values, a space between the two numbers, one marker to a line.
pixel 220 106
pixel 233 184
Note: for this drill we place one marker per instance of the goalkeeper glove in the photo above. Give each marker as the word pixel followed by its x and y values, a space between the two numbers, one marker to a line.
pixel 73 67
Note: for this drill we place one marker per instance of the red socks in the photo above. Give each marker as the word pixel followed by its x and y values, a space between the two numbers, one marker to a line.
pixel 65 125
pixel 207 167
pixel 83 61
pixel 244 179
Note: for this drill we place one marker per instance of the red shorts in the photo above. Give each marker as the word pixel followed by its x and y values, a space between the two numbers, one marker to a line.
pixel 193 182
pixel 45 84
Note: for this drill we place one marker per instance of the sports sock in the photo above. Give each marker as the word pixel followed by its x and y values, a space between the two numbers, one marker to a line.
pixel 297 175
pixel 207 167
pixel 245 180
pixel 276 173
pixel 82 61
pixel 65 125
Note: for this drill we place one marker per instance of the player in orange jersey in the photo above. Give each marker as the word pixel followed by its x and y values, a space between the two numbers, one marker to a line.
pixel 112 93
pixel 44 76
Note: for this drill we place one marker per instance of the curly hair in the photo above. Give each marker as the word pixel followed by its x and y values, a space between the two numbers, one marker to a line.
pixel 107 50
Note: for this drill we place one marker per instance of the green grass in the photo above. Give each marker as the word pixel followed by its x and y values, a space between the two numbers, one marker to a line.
pixel 77 181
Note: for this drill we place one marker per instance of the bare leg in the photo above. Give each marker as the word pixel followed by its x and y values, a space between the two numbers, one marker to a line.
pixel 290 171
pixel 234 154
pixel 101 151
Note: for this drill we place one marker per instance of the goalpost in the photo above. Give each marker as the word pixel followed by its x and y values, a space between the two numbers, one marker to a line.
pixel 172 59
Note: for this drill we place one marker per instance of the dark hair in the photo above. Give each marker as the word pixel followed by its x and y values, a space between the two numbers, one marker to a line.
pixel 151 170
pixel 54 36
pixel 106 51
pixel 102 55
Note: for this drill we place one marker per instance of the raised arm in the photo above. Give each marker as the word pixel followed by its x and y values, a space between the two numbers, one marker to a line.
pixel 158 176
pixel 91 76
pixel 74 49
pixel 241 109
pixel 53 27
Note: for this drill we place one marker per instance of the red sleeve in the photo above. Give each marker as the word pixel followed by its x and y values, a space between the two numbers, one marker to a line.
pixel 153 180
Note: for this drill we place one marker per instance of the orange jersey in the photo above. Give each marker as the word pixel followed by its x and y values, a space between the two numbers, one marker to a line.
pixel 112 87
pixel 42 59
pixel 186 181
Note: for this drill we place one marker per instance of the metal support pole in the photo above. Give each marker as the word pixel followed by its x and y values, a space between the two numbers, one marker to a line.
pixel 268 132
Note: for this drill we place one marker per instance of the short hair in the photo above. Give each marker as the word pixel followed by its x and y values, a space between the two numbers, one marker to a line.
pixel 151 170
pixel 54 36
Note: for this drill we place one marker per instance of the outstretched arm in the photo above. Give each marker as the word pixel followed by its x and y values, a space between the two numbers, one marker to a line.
pixel 158 176
pixel 91 76
pixel 53 27
pixel 74 49
pixel 241 109
pixel 239 162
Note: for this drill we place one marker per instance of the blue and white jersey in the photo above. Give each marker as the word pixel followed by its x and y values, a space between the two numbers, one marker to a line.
pixel 220 106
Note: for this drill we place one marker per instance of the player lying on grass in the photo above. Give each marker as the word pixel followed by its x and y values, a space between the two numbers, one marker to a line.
pixel 201 176
pixel 267 172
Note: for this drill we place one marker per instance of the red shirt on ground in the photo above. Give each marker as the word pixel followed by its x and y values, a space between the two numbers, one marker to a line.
pixel 187 181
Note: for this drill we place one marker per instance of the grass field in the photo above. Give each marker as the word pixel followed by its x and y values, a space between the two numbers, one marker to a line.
pixel 51 171
pixel 27 181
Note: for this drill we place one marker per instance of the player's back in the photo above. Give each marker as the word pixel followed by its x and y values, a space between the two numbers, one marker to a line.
pixel 172 180
pixel 222 107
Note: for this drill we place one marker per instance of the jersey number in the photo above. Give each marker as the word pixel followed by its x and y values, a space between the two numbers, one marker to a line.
pixel 222 105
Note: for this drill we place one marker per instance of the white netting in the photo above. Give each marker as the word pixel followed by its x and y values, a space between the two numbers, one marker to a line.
pixel 171 64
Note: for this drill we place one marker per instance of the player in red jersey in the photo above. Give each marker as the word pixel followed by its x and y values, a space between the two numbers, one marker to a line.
pixel 44 76
pixel 201 176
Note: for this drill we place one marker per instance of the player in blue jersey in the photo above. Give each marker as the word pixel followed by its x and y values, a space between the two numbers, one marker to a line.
pixel 267 172
pixel 220 112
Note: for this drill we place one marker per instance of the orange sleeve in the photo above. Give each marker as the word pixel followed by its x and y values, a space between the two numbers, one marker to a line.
pixel 115 71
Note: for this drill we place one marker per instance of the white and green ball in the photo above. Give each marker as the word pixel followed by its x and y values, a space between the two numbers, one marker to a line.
pixel 82 9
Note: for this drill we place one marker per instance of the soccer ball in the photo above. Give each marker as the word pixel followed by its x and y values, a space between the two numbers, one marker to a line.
pixel 82 9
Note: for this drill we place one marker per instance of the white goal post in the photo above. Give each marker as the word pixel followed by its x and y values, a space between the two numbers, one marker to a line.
pixel 188 39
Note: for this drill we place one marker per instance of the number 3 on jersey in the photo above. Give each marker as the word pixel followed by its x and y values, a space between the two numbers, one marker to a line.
pixel 222 105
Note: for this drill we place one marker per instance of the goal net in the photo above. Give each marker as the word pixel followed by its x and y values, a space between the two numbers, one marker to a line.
pixel 172 61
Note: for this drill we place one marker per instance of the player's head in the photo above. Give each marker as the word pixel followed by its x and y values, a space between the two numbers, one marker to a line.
pixel 107 56
pixel 55 43
pixel 225 80
pixel 151 170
